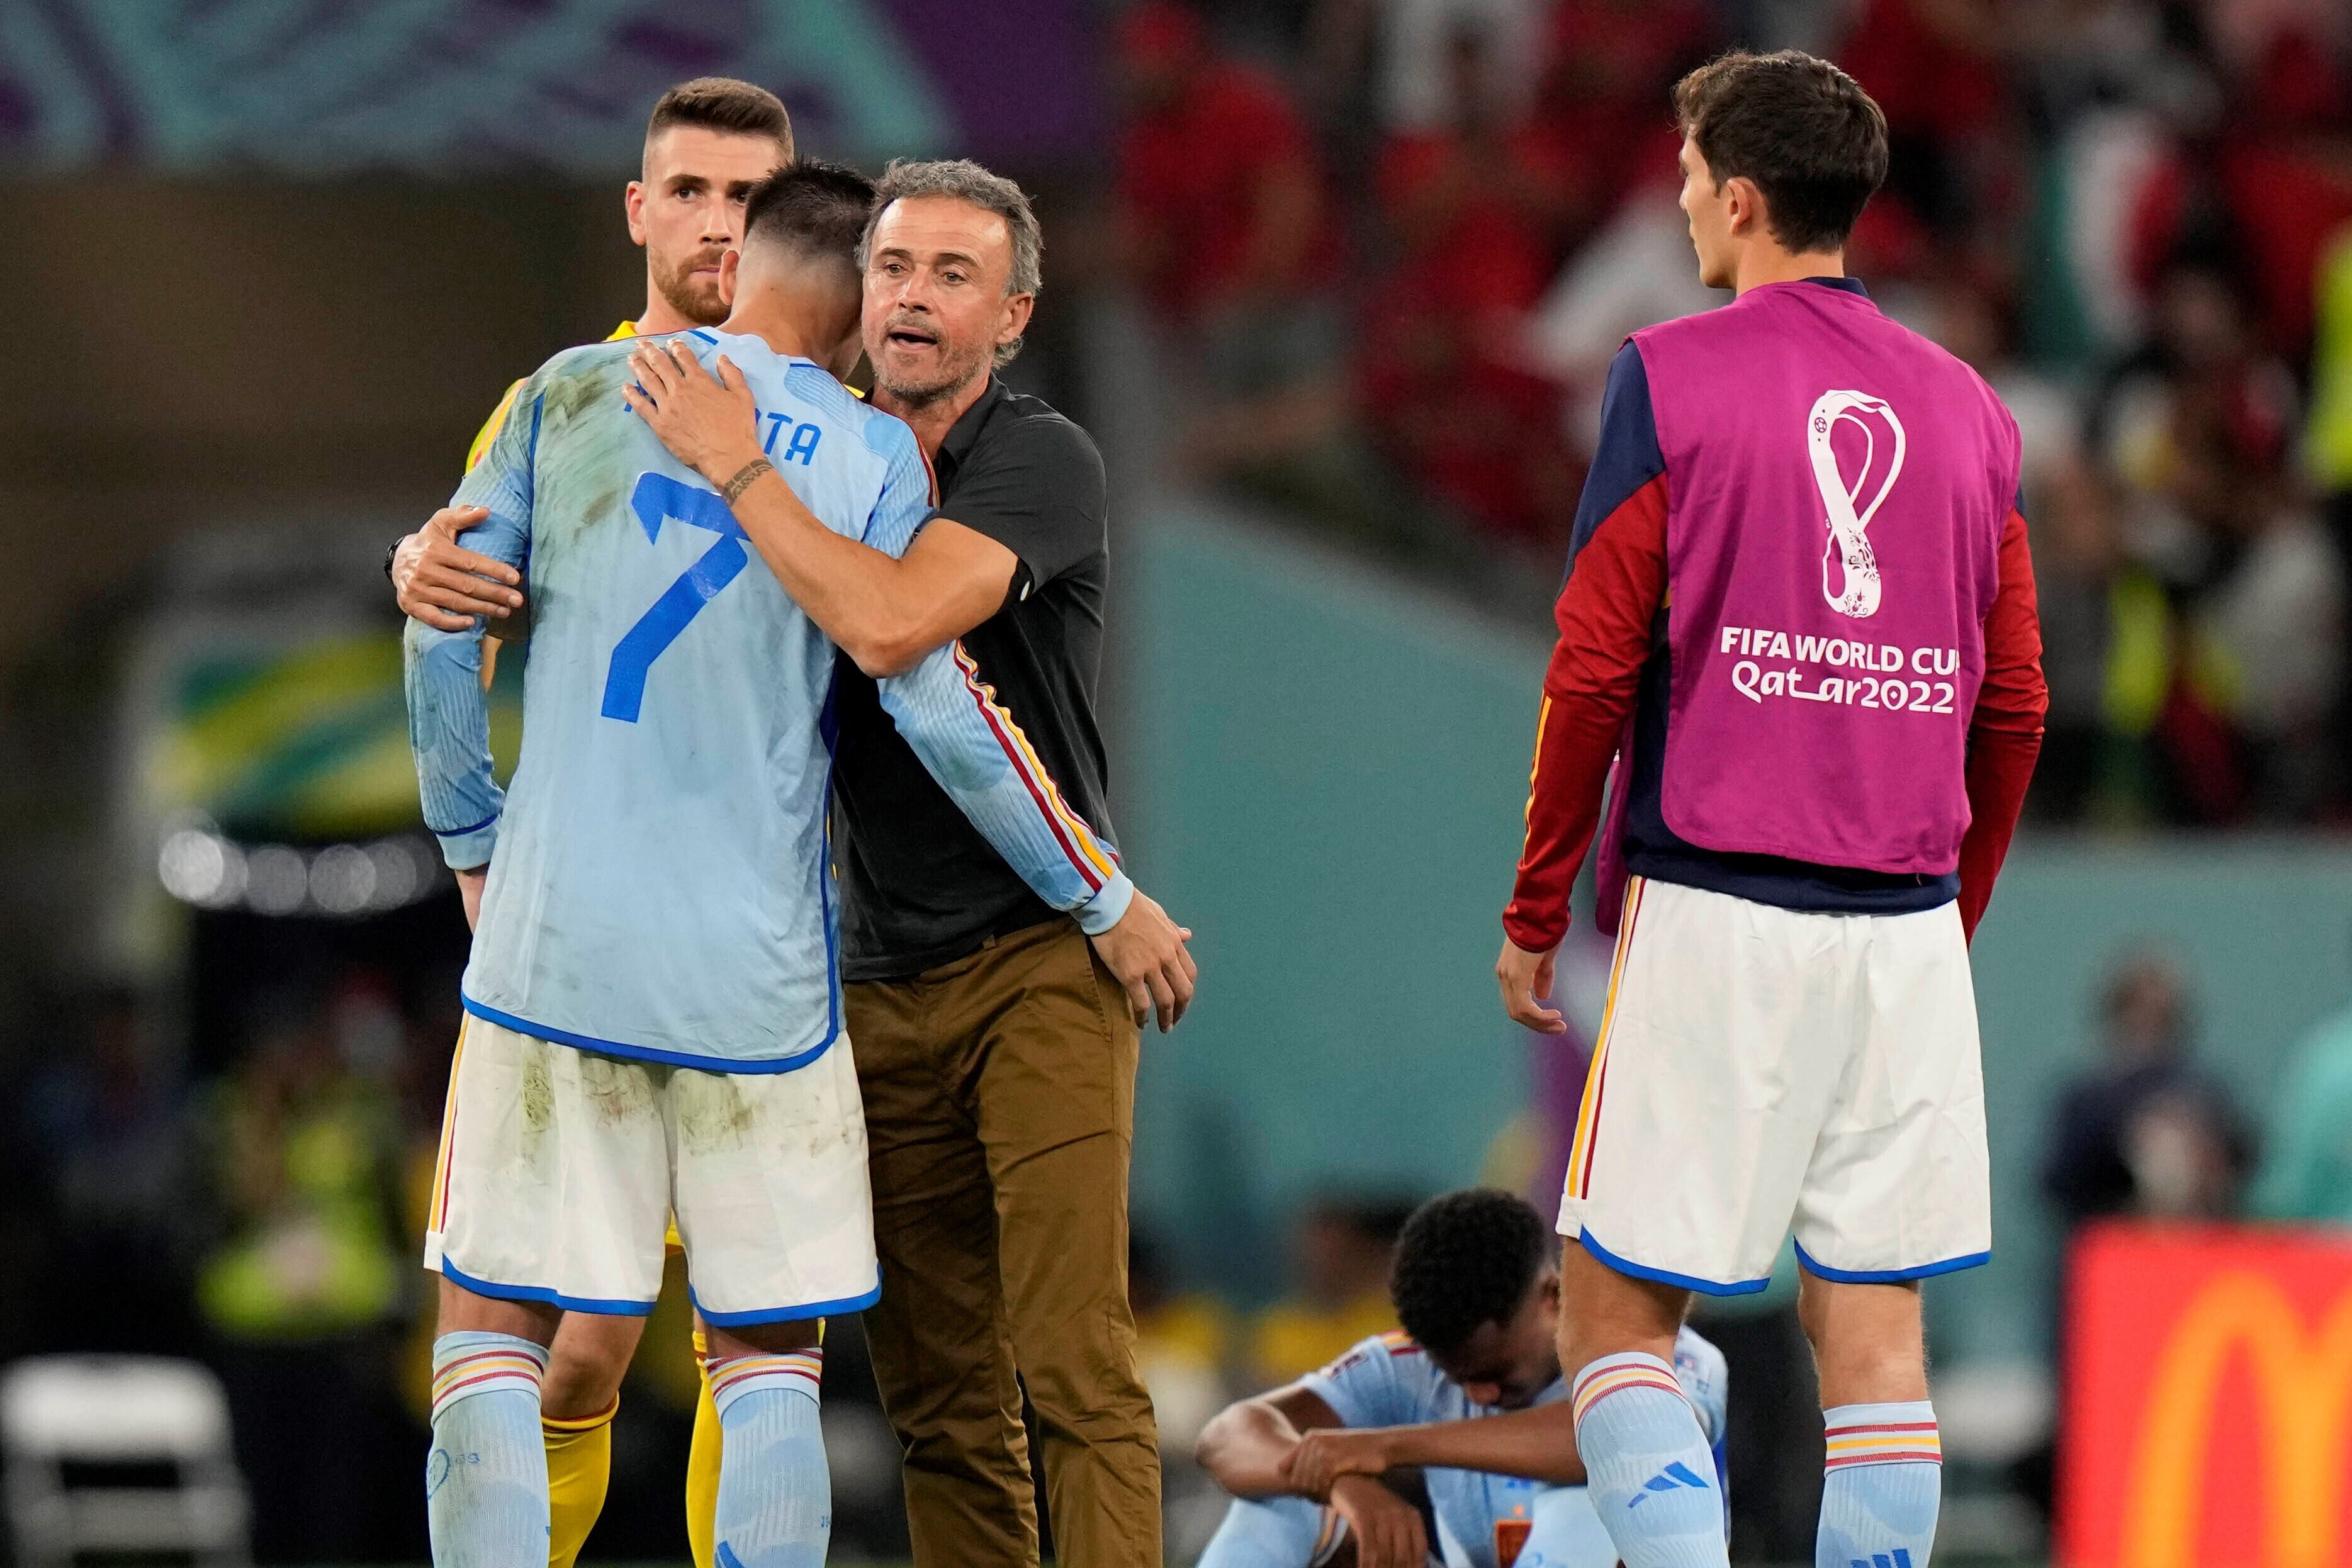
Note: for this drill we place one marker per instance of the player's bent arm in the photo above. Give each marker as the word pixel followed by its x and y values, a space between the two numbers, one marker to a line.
pixel 1245 1446
pixel 1536 1445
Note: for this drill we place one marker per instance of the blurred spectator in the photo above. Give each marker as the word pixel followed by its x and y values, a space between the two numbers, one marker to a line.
pixel 1224 230
pixel 1220 205
pixel 1635 272
pixel 2238 659
pixel 1344 1248
pixel 107 1127
pixel 1417 89
pixel 305 1276
pixel 1471 205
pixel 2144 1131
pixel 1934 67
pixel 2104 652
pixel 2308 1174
pixel 1608 69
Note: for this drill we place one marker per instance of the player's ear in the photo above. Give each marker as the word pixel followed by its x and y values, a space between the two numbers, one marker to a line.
pixel 1747 206
pixel 730 268
pixel 632 203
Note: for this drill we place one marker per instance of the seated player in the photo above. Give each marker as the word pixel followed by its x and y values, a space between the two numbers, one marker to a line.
pixel 1391 1452
pixel 653 997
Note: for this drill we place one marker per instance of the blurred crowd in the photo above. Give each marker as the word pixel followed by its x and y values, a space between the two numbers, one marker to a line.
pixel 1390 246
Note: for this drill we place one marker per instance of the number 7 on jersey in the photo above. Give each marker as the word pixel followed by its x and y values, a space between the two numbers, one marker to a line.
pixel 658 496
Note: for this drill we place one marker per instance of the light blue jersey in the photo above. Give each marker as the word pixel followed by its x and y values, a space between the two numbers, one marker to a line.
pixel 662 887
pixel 1390 1381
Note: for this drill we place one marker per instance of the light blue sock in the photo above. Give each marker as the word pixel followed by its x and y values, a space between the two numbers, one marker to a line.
pixel 1882 1486
pixel 486 1480
pixel 775 1495
pixel 1648 1468
pixel 1272 1532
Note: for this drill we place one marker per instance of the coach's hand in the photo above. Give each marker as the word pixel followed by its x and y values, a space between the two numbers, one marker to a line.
pixel 711 426
pixel 444 585
pixel 1325 1454
pixel 1146 950
pixel 1388 1530
pixel 1526 985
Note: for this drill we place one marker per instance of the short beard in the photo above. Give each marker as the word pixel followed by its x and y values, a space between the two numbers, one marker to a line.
pixel 952 380
pixel 699 302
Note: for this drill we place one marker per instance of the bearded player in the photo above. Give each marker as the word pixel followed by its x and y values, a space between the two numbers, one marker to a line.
pixel 1799 615
pixel 708 143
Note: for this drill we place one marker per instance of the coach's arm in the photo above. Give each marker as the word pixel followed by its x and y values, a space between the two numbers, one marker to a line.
pixel 884 613
pixel 1246 1448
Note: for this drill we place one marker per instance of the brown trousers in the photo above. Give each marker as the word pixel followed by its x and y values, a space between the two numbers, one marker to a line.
pixel 1000 1111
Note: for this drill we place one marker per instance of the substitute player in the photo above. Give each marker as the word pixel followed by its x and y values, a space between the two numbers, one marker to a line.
pixel 1478 1294
pixel 708 143
pixel 1800 613
pixel 654 995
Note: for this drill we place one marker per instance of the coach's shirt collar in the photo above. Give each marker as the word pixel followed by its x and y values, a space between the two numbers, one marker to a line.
pixel 1848 284
pixel 964 433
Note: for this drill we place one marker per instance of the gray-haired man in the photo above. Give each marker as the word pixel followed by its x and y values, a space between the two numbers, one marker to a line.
pixel 996 1050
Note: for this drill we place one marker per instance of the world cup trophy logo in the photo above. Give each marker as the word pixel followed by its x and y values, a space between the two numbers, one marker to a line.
pixel 1849 566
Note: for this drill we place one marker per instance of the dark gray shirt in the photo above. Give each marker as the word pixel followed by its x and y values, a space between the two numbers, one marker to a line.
pixel 921 886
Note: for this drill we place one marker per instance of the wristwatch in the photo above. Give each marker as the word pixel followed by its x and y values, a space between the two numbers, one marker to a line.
pixel 391 554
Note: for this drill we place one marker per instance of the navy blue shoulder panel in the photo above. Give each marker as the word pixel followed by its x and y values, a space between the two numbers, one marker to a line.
pixel 1626 457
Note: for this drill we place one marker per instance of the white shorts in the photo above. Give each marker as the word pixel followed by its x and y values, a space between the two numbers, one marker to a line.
pixel 1763 1071
pixel 560 1170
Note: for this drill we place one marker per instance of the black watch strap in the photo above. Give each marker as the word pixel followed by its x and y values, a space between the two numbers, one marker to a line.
pixel 391 553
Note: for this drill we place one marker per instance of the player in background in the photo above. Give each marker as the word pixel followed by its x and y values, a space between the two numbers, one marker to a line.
pixel 708 143
pixel 653 993
pixel 1799 614
pixel 1477 1291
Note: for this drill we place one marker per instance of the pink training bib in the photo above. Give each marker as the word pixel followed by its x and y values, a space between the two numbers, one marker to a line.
pixel 1836 490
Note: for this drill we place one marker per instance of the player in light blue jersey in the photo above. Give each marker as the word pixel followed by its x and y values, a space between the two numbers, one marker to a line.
pixel 653 998
pixel 1405 1446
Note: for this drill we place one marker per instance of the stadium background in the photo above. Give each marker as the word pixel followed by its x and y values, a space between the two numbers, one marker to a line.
pixel 1332 281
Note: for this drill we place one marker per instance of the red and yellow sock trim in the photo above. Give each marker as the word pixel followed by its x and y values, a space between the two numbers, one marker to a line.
pixel 1615 1374
pixel 1885 1443
pixel 486 1371
pixel 731 1377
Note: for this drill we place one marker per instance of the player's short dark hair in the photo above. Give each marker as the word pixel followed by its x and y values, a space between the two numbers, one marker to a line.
pixel 1465 1259
pixel 724 104
pixel 817 208
pixel 1813 141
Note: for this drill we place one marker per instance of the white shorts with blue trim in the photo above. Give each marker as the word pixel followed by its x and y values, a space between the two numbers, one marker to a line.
pixel 1764 1071
pixel 561 1169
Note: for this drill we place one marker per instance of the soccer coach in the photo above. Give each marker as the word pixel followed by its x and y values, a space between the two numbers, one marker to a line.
pixel 997 1048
